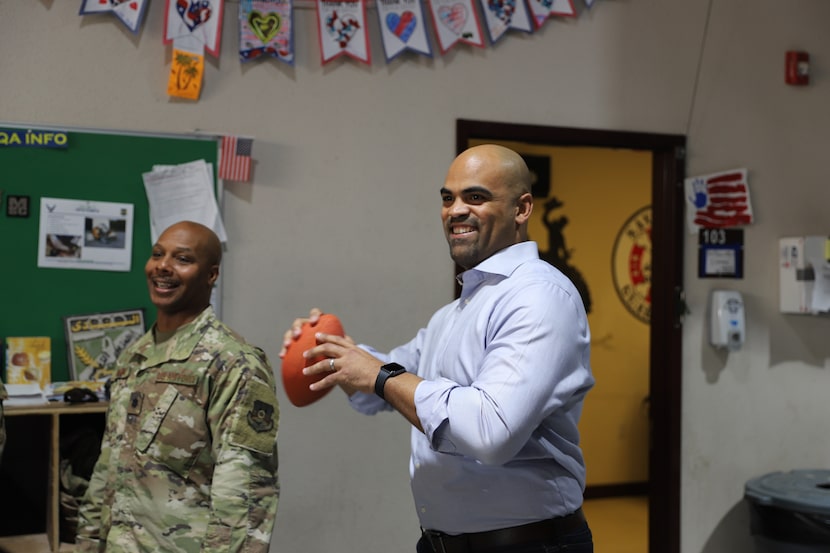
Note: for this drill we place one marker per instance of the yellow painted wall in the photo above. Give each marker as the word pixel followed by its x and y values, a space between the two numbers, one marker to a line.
pixel 601 191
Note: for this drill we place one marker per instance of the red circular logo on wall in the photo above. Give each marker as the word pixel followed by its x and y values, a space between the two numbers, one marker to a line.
pixel 631 264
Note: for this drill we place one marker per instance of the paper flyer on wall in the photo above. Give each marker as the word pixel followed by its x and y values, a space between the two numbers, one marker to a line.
pixel 85 234
pixel 182 192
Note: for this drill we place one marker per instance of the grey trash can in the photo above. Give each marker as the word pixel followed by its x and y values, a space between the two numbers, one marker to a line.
pixel 790 511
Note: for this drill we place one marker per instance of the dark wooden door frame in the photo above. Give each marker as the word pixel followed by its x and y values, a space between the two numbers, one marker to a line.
pixel 665 357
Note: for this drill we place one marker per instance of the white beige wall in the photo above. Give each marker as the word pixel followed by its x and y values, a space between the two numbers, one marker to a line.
pixel 764 408
pixel 343 211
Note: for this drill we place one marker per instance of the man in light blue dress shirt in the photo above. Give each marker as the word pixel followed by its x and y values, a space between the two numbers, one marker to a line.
pixel 493 386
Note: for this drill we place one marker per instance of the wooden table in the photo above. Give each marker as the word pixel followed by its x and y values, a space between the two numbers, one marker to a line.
pixel 55 411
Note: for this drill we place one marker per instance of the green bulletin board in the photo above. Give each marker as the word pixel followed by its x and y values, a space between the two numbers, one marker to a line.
pixel 104 166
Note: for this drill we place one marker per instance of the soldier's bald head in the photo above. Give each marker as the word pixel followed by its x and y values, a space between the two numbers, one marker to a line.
pixel 203 238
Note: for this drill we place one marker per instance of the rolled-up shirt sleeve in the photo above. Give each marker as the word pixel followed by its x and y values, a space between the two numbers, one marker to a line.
pixel 406 355
pixel 535 362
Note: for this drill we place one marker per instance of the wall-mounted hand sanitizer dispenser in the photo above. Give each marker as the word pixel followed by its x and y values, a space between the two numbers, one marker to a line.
pixel 727 325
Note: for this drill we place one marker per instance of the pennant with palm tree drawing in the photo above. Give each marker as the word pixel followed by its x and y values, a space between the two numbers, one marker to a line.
pixel 186 74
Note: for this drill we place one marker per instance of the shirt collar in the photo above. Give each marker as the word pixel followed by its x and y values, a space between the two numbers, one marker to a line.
pixel 180 346
pixel 501 263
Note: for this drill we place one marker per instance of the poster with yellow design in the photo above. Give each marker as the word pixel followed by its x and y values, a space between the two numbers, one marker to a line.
pixel 186 73
pixel 29 360
pixel 95 340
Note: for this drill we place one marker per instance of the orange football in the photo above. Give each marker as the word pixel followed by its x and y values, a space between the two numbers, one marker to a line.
pixel 293 380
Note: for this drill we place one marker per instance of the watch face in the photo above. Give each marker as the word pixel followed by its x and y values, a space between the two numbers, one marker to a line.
pixel 393 369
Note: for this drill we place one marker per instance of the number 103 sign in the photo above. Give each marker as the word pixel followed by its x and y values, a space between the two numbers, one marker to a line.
pixel 720 253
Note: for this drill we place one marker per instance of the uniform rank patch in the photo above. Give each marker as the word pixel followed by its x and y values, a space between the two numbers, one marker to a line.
pixel 255 426
pixel 261 417
pixel 136 399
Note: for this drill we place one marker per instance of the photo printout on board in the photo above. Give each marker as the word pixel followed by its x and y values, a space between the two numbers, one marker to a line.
pixel 85 234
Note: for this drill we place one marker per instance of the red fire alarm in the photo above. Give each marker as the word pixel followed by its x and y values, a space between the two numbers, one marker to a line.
pixel 798 68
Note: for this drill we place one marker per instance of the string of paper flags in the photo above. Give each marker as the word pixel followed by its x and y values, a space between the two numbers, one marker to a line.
pixel 266 28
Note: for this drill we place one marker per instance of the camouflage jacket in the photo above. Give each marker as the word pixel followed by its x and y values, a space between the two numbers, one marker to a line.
pixel 189 457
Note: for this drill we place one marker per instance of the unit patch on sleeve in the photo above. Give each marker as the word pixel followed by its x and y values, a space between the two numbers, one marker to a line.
pixel 256 424
pixel 261 417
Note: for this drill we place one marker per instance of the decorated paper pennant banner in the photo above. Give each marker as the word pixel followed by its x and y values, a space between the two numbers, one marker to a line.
pixel 540 10
pixel 563 8
pixel 343 30
pixel 402 27
pixel 501 15
pixel 130 12
pixel 200 20
pixel 543 9
pixel 186 73
pixel 266 27
pixel 455 21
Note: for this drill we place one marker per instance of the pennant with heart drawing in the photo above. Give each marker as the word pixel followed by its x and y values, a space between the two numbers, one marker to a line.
pixel 455 21
pixel 342 30
pixel 266 28
pixel 543 9
pixel 130 12
pixel 195 21
pixel 402 27
pixel 502 15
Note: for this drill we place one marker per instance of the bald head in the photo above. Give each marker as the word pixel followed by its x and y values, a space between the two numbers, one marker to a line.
pixel 509 166
pixel 181 272
pixel 486 203
pixel 202 237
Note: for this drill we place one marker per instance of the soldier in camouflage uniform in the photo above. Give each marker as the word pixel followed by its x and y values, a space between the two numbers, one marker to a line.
pixel 189 456
pixel 3 395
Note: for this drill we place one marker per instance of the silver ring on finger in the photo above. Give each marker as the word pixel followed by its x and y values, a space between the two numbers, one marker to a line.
pixel 331 365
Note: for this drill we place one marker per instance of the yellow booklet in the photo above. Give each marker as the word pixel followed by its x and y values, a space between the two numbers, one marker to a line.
pixel 29 360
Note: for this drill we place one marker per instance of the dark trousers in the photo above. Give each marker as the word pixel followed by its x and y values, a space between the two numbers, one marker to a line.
pixel 579 540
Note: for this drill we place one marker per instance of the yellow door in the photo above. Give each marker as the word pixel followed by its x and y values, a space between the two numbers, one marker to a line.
pixel 592 219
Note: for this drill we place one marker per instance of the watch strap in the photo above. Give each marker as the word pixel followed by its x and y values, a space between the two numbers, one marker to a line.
pixel 386 372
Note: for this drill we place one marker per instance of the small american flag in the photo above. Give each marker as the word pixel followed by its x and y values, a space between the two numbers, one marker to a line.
pixel 235 158
pixel 719 200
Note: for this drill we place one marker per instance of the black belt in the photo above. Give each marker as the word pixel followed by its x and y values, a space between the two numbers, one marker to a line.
pixel 478 542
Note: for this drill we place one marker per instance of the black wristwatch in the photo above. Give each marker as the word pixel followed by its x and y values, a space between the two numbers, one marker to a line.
pixel 386 372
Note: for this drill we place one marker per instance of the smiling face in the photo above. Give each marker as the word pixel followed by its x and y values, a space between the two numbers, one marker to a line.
pixel 181 271
pixel 486 203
